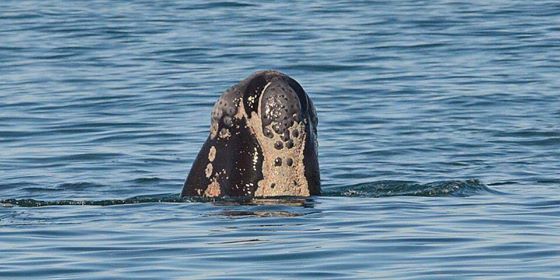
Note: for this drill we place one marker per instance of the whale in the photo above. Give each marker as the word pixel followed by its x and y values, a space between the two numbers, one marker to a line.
pixel 262 142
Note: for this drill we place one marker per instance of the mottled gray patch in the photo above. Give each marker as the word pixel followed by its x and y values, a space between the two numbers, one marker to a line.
pixel 279 105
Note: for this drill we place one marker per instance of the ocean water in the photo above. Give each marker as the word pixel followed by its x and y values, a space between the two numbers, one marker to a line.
pixel 439 139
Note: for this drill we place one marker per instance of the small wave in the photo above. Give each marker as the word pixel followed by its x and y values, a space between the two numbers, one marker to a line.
pixel 373 189
pixel 217 5
pixel 408 188
pixel 146 180
pixel 162 198
pixel 77 186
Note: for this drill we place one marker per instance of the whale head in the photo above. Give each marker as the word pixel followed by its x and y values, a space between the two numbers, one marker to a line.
pixel 262 142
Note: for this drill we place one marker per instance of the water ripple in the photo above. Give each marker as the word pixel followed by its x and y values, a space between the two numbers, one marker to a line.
pixel 106 103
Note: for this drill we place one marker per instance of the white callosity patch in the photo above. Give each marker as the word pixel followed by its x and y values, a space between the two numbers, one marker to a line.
pixel 224 133
pixel 283 169
pixel 211 157
pixel 213 189
pixel 212 154
pixel 281 134
pixel 213 129
pixel 208 170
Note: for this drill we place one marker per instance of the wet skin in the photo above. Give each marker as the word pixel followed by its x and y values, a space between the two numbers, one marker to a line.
pixel 262 142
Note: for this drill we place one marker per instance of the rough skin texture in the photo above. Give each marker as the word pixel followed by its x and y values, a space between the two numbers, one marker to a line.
pixel 262 142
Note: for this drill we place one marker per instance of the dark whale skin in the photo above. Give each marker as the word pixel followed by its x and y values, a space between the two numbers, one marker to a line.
pixel 262 142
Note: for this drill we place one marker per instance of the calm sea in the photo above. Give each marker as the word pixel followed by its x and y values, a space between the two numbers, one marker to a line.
pixel 439 134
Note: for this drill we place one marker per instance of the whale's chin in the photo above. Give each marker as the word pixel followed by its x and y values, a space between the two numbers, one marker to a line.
pixel 262 142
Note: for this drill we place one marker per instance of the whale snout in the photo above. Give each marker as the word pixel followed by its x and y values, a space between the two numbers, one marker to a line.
pixel 277 98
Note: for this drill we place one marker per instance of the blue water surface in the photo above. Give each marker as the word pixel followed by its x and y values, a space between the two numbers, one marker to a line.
pixel 439 139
